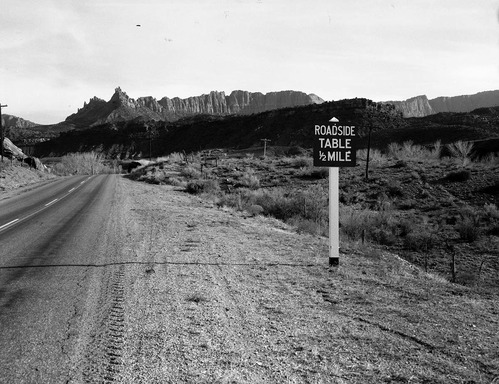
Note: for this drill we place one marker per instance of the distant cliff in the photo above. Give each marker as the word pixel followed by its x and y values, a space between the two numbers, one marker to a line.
pixel 466 103
pixel 123 108
pixel 9 121
pixel 420 106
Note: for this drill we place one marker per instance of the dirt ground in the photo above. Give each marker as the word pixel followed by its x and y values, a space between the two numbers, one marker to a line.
pixel 211 295
pixel 215 296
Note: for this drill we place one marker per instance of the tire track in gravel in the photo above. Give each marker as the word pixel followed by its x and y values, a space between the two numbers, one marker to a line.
pixel 115 327
pixel 104 354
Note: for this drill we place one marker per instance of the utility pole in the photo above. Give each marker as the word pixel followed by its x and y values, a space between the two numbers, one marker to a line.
pixel 150 144
pixel 265 146
pixel 368 149
pixel 1 128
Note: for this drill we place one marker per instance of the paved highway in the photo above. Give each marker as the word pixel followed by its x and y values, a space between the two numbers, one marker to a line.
pixel 59 245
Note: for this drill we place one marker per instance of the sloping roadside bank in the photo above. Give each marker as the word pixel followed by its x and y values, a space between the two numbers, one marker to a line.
pixel 15 179
pixel 212 296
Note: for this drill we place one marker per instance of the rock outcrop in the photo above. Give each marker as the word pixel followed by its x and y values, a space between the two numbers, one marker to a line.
pixel 420 106
pixel 12 151
pixel 123 108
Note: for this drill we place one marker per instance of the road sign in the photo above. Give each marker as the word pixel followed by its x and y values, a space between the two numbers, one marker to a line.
pixel 334 145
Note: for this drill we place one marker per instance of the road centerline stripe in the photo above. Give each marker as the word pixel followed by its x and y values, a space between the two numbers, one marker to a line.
pixel 24 218
pixel 52 202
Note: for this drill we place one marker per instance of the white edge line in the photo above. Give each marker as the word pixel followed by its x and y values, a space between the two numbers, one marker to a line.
pixel 9 223
pixel 71 190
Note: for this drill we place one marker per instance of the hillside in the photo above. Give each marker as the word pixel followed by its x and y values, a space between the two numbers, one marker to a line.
pixel 480 125
pixel 284 127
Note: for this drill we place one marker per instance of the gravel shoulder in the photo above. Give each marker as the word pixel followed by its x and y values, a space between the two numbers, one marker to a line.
pixel 211 295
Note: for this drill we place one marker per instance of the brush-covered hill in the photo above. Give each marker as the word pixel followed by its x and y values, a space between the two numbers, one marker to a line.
pixel 480 126
pixel 284 127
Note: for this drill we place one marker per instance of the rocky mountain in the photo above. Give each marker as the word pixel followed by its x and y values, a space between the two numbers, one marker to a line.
pixel 421 106
pixel 10 121
pixel 123 108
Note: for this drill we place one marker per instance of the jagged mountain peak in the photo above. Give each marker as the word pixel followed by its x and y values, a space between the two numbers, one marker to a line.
pixel 122 107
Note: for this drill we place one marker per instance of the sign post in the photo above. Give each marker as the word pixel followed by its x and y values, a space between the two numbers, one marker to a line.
pixel 334 147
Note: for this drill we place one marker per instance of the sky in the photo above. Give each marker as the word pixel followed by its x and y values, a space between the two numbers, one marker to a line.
pixel 57 54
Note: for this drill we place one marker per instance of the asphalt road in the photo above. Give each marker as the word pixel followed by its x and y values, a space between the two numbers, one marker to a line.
pixel 58 244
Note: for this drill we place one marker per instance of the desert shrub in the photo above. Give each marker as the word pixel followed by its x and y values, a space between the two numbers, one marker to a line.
pixel 401 164
pixel 407 204
pixel 176 157
pixel 383 236
pixel 231 200
pixel 436 152
pixel 315 173
pixel 394 189
pixel 469 226
pixel 203 186
pixel 255 210
pixel 410 151
pixel 320 173
pixel 491 211
pixel 393 150
pixel 190 172
pixel 307 226
pixel 250 180
pixel 458 176
pixel 295 151
pixel 175 181
pixel 87 163
pixel 461 150
pixel 302 162
pixel 405 227
pixel 376 157
pixel 491 159
pixel 353 223
pixel 277 203
pixel 420 241
pixel 380 227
